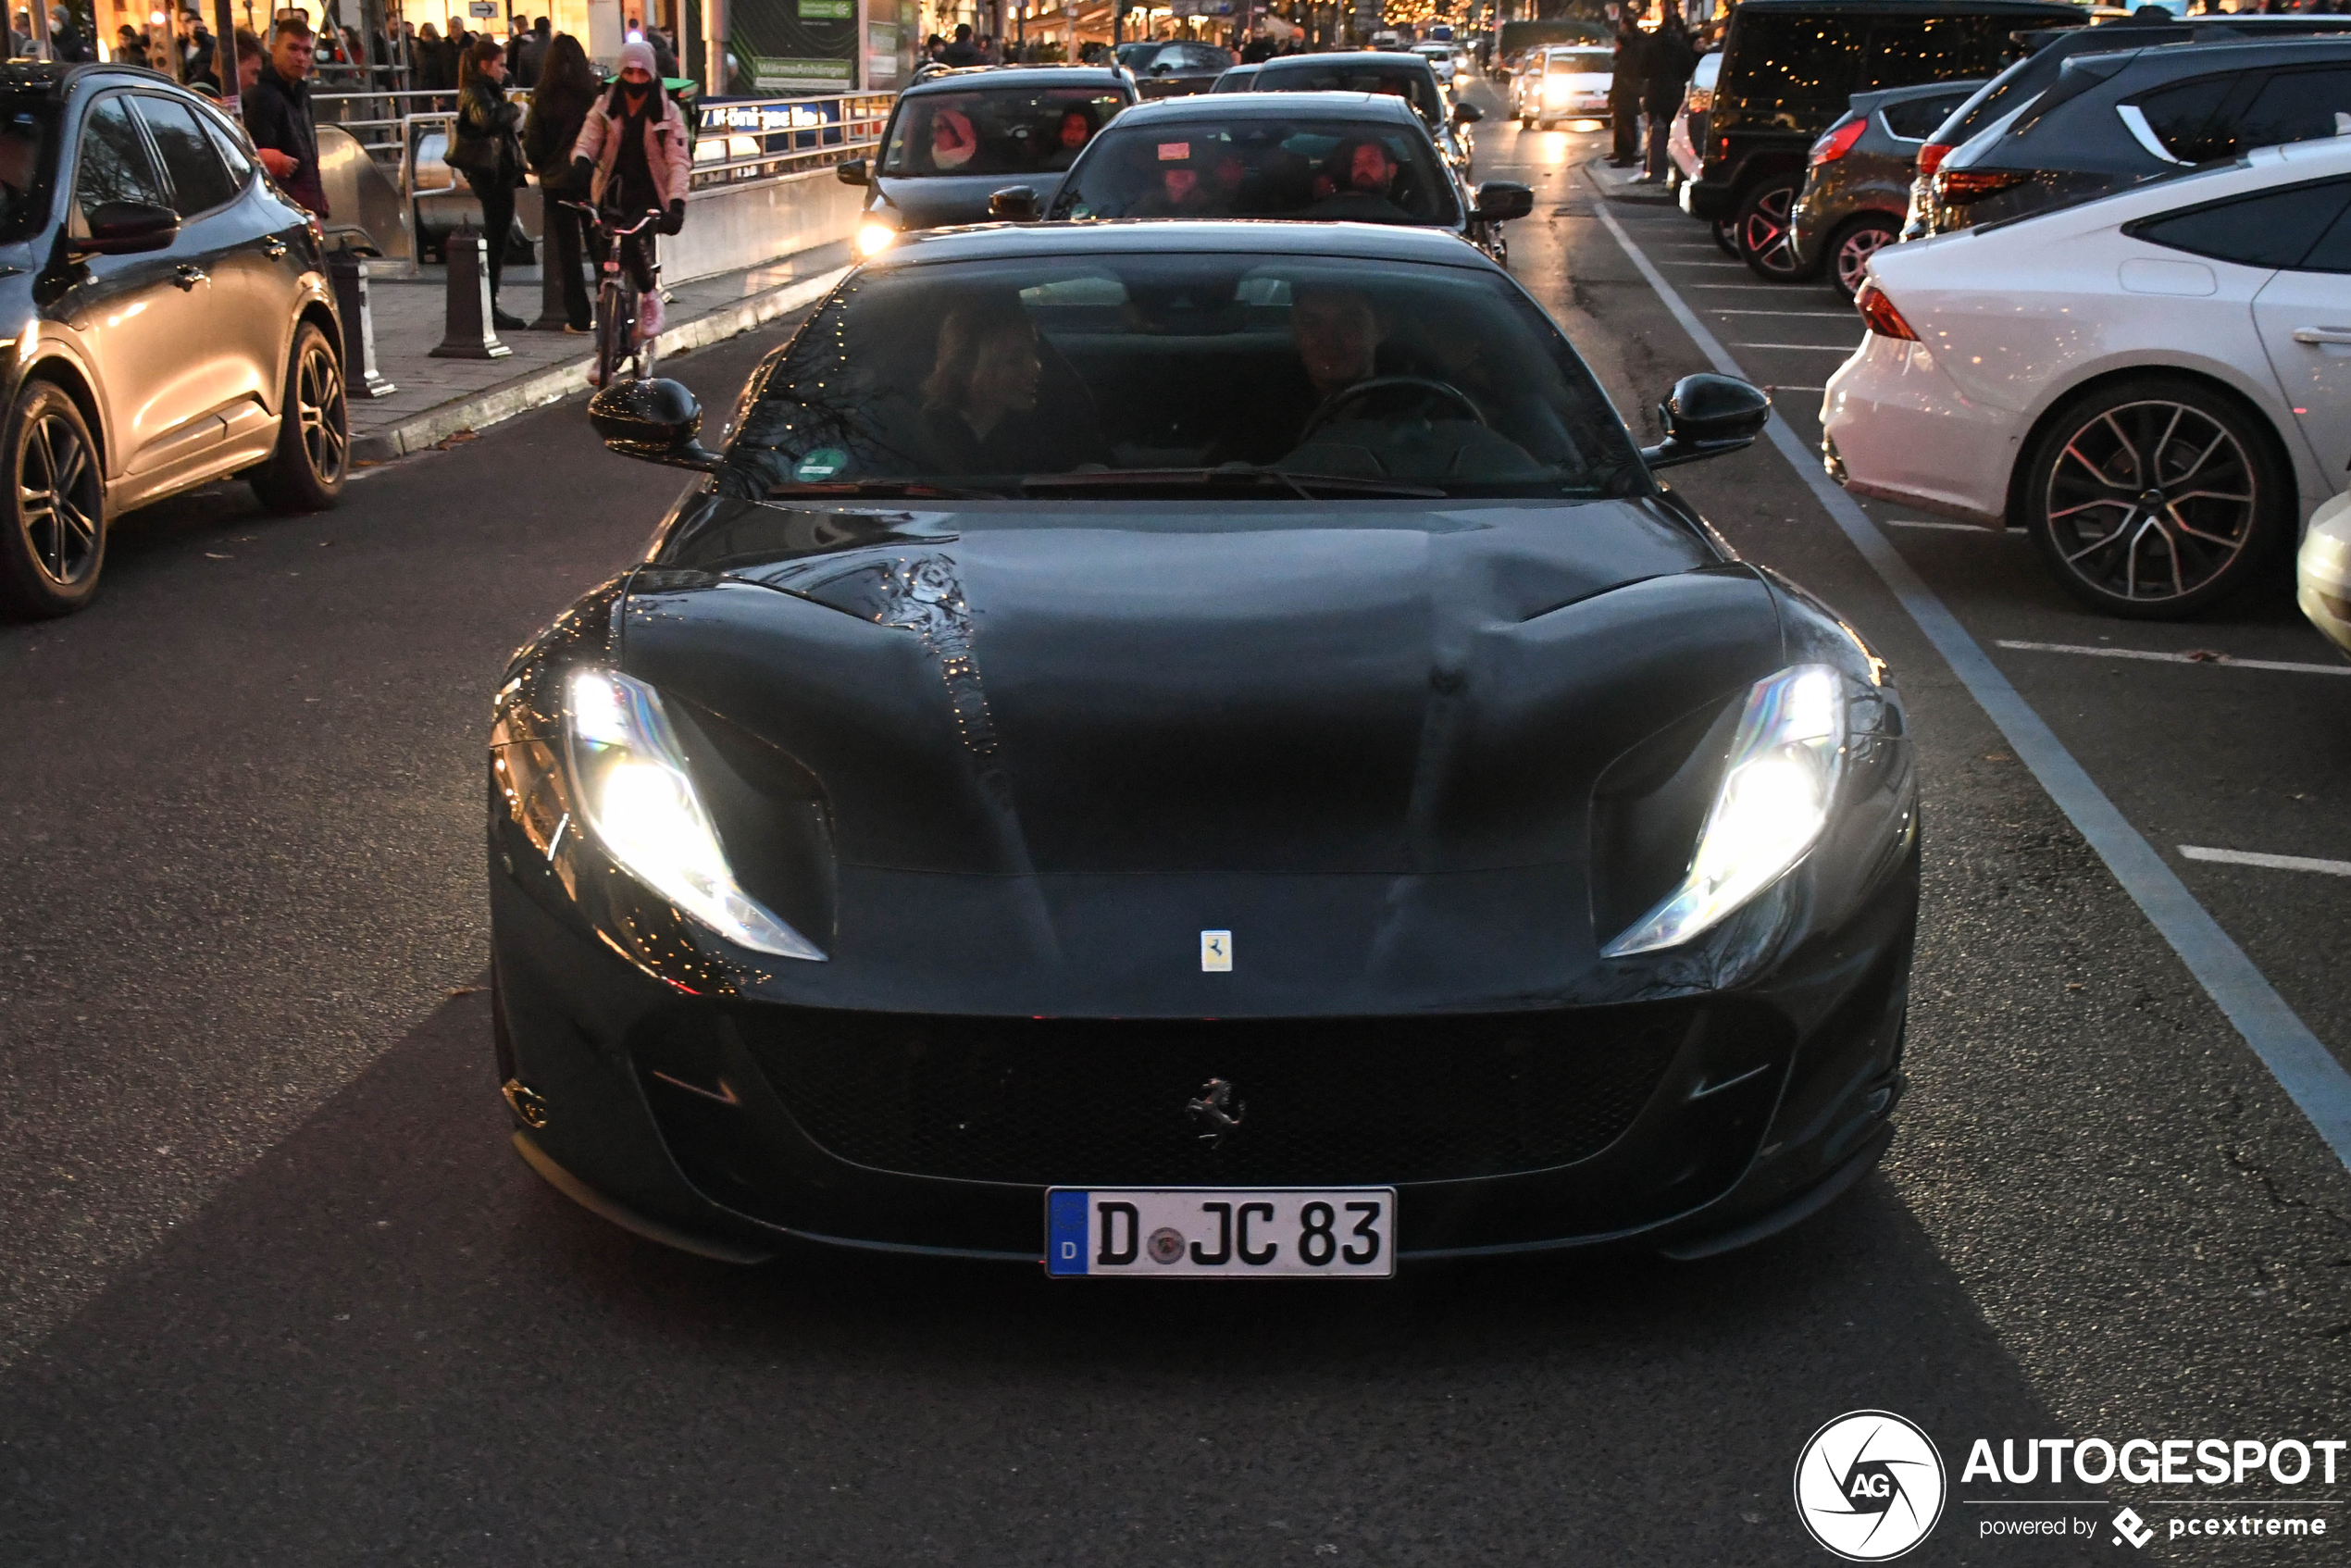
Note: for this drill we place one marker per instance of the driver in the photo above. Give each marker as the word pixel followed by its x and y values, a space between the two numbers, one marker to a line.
pixel 1338 333
pixel 1361 174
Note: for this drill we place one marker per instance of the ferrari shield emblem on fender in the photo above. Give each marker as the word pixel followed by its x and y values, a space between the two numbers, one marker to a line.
pixel 1217 952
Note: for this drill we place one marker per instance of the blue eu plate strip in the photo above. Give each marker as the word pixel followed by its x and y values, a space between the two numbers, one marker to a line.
pixel 1065 1233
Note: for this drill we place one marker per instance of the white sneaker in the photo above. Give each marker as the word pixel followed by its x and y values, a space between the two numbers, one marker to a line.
pixel 648 317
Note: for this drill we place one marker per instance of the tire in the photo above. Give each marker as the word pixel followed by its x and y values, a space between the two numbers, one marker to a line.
pixel 2158 546
pixel 55 543
pixel 312 458
pixel 1847 254
pixel 1726 235
pixel 1764 234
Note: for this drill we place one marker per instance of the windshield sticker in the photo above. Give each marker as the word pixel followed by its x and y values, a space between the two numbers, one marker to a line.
pixel 1174 152
pixel 820 465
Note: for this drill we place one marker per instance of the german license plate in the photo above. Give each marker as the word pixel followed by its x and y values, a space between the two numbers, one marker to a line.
pixel 1221 1233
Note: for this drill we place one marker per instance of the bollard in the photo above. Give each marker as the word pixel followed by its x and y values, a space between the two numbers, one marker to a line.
pixel 472 332
pixel 553 316
pixel 349 270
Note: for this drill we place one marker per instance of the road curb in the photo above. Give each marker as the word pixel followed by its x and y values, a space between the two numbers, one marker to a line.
pixel 556 383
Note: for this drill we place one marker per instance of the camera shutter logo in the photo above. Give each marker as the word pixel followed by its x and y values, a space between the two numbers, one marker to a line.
pixel 1870 1486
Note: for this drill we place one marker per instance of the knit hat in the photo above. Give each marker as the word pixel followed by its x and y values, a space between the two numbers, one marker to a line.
pixel 638 53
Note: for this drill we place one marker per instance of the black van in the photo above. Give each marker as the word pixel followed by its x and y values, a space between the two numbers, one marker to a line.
pixel 1791 66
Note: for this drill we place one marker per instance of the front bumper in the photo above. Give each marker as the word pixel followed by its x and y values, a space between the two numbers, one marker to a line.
pixel 2322 571
pixel 728 1124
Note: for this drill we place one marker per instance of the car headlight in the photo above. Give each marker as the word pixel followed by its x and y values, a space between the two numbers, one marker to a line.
pixel 637 796
pixel 874 237
pixel 1769 808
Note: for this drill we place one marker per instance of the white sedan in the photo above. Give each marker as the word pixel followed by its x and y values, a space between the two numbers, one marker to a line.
pixel 2155 386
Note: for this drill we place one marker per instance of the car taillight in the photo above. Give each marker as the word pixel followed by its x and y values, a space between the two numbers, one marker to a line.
pixel 1837 143
pixel 1879 313
pixel 1931 157
pixel 1723 147
pixel 1960 186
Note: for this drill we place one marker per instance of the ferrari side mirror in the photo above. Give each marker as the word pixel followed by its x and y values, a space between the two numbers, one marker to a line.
pixel 1705 416
pixel 654 421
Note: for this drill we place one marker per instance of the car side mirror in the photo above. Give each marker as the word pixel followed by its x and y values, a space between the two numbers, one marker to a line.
pixel 1499 201
pixel 1705 416
pixel 852 172
pixel 1467 114
pixel 127 228
pixel 654 421
pixel 1161 71
pixel 1013 203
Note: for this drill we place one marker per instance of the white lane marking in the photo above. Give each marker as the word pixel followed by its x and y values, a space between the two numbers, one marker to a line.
pixel 1807 315
pixel 1774 288
pixel 1783 386
pixel 2267 861
pixel 2303 1066
pixel 1816 348
pixel 2204 658
pixel 1955 528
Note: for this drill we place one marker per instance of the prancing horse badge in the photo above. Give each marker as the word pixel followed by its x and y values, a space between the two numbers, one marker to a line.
pixel 1217 952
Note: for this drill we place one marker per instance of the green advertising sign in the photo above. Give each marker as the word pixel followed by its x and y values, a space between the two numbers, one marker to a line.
pixel 792 47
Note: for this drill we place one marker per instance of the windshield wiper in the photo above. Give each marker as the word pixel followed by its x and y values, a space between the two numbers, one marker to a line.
pixel 1235 473
pixel 917 489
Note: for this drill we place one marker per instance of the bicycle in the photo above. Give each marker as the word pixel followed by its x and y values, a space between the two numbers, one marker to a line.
pixel 617 345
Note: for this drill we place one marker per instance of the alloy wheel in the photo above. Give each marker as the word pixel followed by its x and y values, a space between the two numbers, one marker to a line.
pixel 1764 232
pixel 2150 501
pixel 318 404
pixel 1853 254
pixel 59 505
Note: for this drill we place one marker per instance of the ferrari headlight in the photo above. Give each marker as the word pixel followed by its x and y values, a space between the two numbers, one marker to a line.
pixel 874 237
pixel 639 799
pixel 1769 808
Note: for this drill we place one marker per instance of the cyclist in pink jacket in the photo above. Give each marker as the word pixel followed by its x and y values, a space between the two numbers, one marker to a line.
pixel 633 157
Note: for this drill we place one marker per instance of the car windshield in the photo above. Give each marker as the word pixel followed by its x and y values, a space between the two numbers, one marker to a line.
pixel 1578 62
pixel 1318 167
pixel 1155 374
pixel 27 162
pixel 995 130
pixel 1412 82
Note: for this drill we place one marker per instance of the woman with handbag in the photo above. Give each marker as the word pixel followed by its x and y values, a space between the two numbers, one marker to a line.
pixel 567 85
pixel 485 150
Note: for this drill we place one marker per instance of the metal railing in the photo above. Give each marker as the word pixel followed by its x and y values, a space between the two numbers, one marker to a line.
pixel 760 138
pixel 388 114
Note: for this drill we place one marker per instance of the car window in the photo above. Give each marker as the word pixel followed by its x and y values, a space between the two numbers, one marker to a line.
pixel 2301 105
pixel 27 162
pixel 229 143
pixel 1317 167
pixel 1917 118
pixel 1579 62
pixel 199 181
pixel 114 164
pixel 991 374
pixel 2272 229
pixel 1412 82
pixel 2332 253
pixel 1791 72
pixel 1192 56
pixel 999 131
pixel 1904 54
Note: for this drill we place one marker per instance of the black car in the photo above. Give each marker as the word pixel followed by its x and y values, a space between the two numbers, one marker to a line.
pixel 1409 77
pixel 1857 183
pixel 1790 67
pixel 1240 79
pixel 1362 157
pixel 1173 68
pixel 165 316
pixel 1206 742
pixel 2050 49
pixel 2113 119
pixel 956 140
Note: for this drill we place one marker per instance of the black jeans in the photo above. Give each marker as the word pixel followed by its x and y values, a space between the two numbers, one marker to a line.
pixel 1624 126
pixel 563 253
pixel 497 222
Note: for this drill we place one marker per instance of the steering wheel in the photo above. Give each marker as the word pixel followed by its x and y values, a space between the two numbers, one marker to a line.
pixel 1346 397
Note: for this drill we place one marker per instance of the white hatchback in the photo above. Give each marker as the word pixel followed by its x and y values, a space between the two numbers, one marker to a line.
pixel 2155 386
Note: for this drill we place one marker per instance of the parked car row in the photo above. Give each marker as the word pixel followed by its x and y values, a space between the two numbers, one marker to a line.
pixel 2123 319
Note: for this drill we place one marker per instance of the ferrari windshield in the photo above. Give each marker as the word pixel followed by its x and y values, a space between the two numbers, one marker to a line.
pixel 1315 166
pixel 1175 374
pixel 995 130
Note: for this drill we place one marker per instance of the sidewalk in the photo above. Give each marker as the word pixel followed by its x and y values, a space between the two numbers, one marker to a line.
pixel 433 399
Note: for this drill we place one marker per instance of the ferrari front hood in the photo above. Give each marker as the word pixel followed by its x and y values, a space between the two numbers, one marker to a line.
pixel 1160 689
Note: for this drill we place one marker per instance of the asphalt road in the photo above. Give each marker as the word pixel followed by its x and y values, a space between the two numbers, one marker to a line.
pixel 274 1288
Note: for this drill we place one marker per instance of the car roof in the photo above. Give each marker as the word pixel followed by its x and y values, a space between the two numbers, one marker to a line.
pixel 1256 236
pixel 2029 10
pixel 966 78
pixel 2117 34
pixel 1271 106
pixel 1349 57
pixel 2214 57
pixel 1878 97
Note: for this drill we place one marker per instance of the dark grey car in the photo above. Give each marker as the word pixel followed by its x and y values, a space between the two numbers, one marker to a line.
pixel 2114 120
pixel 1857 186
pixel 956 139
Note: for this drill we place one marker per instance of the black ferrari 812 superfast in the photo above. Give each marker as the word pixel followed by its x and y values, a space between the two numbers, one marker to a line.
pixel 1196 751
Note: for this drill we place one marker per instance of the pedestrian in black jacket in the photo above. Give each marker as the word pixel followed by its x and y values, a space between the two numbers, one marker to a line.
pixel 487 153
pixel 1630 70
pixel 1671 60
pixel 567 85
pixel 278 116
